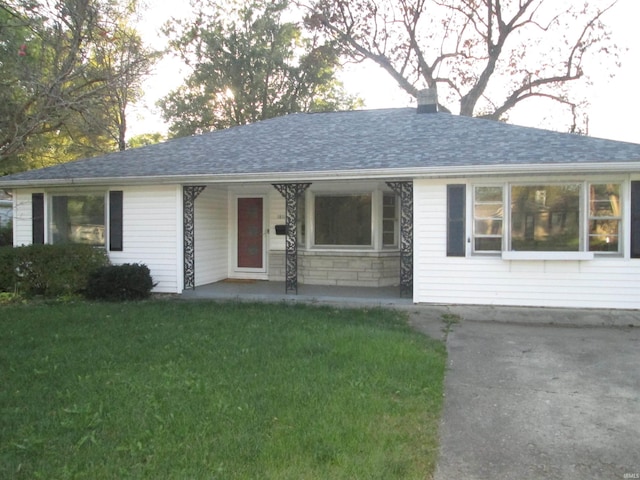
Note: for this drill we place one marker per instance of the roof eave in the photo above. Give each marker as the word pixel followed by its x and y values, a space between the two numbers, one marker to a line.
pixel 358 174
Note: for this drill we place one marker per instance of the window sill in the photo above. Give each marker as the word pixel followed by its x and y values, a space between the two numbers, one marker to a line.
pixel 349 253
pixel 559 256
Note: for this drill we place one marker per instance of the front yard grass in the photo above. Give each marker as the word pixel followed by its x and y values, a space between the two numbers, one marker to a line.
pixel 194 390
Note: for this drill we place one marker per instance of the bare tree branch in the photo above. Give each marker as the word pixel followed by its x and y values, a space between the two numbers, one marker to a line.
pixel 476 51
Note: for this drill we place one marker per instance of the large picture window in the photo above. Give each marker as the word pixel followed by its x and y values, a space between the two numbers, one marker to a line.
pixel 545 218
pixel 559 217
pixel 77 219
pixel 343 220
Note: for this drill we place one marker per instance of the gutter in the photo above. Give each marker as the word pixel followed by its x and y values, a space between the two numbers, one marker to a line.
pixel 367 174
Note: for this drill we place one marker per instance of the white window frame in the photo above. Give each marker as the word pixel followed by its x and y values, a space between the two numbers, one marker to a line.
pixel 584 221
pixel 620 218
pixel 396 222
pixel 376 194
pixel 372 226
pixel 76 193
pixel 505 223
pixel 581 214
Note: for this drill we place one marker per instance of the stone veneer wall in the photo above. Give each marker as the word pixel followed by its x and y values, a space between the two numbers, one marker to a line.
pixel 352 269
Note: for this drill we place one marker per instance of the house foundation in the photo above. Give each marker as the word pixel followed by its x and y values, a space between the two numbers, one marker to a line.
pixel 350 269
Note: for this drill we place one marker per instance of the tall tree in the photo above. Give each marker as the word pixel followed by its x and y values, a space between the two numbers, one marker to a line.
pixel 484 56
pixel 64 65
pixel 248 64
pixel 125 62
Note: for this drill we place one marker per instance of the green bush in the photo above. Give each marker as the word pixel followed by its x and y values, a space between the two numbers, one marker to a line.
pixel 6 235
pixel 48 270
pixel 7 298
pixel 116 283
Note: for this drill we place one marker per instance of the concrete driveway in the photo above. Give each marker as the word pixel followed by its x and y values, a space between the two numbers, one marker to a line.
pixel 540 401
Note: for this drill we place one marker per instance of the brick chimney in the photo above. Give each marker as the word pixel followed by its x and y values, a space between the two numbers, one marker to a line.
pixel 428 100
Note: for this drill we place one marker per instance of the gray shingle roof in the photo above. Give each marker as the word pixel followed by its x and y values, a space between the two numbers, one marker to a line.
pixel 388 141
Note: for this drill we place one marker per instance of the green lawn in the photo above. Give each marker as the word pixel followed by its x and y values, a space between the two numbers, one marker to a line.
pixel 195 390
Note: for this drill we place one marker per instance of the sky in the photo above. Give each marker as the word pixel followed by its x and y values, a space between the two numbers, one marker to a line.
pixel 614 103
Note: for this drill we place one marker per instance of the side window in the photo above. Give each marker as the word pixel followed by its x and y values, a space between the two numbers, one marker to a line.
pixel 488 216
pixel 390 220
pixel 605 217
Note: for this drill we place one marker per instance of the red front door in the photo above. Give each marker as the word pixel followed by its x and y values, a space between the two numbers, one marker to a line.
pixel 250 233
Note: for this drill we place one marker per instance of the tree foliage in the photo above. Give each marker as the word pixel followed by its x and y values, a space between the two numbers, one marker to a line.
pixel 69 69
pixel 145 139
pixel 126 62
pixel 247 64
pixel 484 56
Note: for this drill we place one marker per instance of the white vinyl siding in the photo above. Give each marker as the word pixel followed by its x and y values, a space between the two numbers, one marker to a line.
pixel 151 219
pixel 151 226
pixel 22 219
pixel 604 282
pixel 277 216
pixel 211 235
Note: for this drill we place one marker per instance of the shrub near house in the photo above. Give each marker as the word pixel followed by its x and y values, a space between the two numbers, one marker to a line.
pixel 57 270
pixel 48 270
pixel 6 235
pixel 120 283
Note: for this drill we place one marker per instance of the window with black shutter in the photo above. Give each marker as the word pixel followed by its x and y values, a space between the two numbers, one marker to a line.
pixel 37 218
pixel 115 221
pixel 635 219
pixel 456 199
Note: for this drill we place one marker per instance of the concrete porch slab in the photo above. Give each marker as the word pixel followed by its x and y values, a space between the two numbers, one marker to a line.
pixel 259 290
pixel 420 314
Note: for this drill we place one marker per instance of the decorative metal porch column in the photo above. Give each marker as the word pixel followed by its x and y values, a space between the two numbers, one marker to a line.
pixel 291 193
pixel 405 191
pixel 189 195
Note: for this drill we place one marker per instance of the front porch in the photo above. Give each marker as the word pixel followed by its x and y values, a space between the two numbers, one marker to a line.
pixel 270 291
pixel 330 233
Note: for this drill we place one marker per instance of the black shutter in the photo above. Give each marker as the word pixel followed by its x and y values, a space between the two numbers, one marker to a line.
pixel 456 220
pixel 115 221
pixel 635 219
pixel 37 218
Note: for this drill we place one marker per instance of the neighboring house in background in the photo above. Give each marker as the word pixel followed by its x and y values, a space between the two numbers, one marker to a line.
pixel 6 209
pixel 453 209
